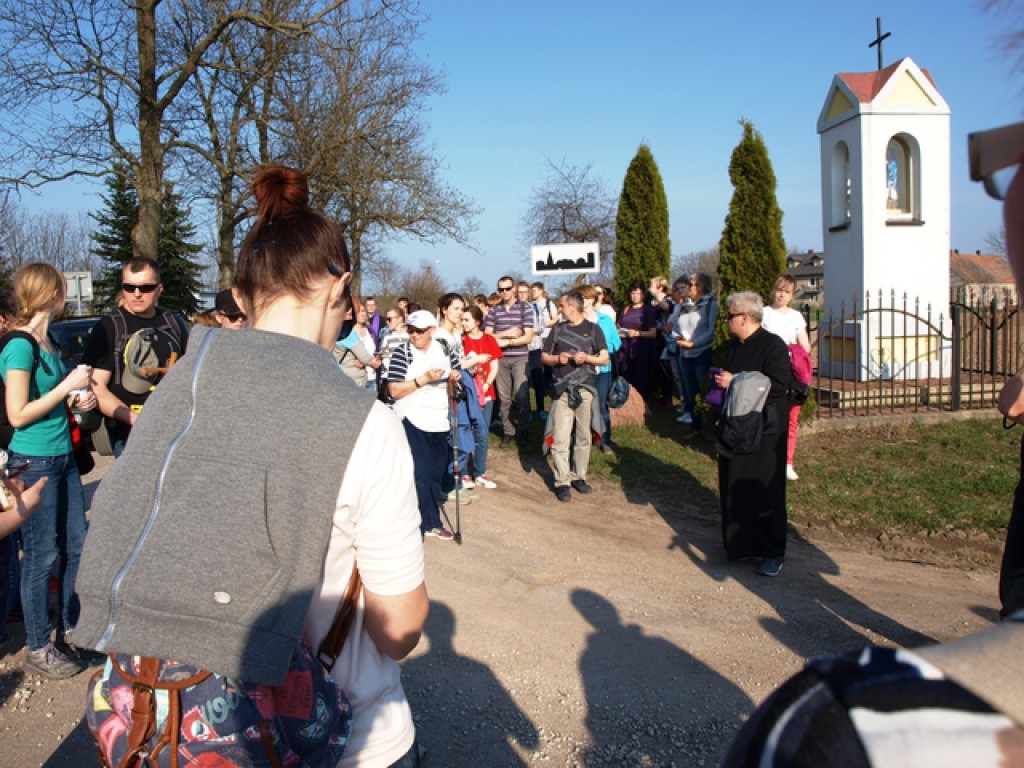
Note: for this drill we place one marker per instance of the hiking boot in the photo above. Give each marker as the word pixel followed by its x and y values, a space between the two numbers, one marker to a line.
pixel 49 662
pixel 485 482
pixel 439 533
pixel 562 493
pixel 581 486
pixel 770 566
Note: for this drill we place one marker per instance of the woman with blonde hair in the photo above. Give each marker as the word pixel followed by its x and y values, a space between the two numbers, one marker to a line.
pixel 38 389
pixel 790 326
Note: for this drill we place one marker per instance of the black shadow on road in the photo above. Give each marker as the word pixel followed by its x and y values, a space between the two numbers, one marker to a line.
pixel 650 702
pixel 464 716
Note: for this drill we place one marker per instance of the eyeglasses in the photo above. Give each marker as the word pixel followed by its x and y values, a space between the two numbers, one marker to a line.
pixel 504 288
pixel 144 288
pixel 995 156
pixel 736 314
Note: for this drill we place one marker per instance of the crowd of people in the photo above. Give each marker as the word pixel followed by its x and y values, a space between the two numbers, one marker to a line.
pixel 422 386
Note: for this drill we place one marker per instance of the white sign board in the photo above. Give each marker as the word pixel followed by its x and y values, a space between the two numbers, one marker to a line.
pixel 79 286
pixel 565 259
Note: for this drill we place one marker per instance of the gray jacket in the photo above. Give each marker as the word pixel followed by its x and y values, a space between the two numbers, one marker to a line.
pixel 207 536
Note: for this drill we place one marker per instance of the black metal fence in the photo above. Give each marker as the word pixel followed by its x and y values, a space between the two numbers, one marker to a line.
pixel 887 354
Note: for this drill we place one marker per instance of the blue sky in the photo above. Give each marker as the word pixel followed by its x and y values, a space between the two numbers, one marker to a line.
pixel 587 82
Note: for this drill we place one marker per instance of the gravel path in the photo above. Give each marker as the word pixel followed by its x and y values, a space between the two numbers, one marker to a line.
pixel 605 632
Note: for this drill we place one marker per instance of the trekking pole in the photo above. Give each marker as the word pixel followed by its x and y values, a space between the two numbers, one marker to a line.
pixel 453 420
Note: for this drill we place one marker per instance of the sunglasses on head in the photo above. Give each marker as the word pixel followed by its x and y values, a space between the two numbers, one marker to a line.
pixel 144 288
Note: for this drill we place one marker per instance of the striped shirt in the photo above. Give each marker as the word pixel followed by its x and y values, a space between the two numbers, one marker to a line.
pixel 502 318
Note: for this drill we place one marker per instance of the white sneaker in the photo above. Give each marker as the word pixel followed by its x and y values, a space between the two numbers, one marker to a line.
pixel 791 473
pixel 686 418
pixel 485 482
pixel 467 482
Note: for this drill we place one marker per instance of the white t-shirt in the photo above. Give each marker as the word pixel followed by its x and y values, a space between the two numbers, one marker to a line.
pixel 377 525
pixel 784 323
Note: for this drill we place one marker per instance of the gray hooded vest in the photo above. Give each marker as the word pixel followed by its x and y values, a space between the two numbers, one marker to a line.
pixel 207 536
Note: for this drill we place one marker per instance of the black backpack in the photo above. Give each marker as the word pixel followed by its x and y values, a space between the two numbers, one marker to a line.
pixel 6 430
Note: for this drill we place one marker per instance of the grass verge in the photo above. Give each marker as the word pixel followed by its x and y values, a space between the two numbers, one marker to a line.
pixel 909 477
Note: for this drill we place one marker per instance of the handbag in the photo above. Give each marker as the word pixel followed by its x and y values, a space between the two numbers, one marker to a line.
pixel 618 393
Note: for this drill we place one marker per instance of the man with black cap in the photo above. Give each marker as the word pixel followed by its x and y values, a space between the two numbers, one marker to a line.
pixel 227 311
pixel 131 348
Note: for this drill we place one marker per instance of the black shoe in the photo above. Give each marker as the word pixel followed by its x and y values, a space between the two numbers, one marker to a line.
pixel 581 486
pixel 506 441
pixel 562 493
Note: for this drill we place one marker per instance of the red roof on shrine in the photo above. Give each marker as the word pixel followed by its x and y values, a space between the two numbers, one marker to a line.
pixel 867 85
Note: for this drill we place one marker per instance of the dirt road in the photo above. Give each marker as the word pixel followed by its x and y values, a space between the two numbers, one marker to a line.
pixel 609 631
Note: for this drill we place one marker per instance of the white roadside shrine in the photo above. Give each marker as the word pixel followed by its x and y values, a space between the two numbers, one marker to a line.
pixel 885 224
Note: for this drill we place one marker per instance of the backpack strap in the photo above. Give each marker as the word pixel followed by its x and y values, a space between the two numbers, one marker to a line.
pixel 334 640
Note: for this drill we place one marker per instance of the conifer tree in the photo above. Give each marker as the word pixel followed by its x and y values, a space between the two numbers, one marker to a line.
pixel 113 237
pixel 179 274
pixel 642 247
pixel 753 251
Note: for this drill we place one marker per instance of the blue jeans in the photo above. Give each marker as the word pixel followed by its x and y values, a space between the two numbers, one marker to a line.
pixel 693 371
pixel 483 431
pixel 430 462
pixel 604 386
pixel 53 536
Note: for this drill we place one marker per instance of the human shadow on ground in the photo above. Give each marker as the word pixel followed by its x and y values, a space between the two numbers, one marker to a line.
pixel 463 714
pixel 650 702
pixel 76 750
pixel 816 616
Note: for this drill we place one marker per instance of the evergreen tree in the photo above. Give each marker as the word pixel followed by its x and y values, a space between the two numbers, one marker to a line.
pixel 113 237
pixel 642 248
pixel 175 253
pixel 753 251
pixel 179 274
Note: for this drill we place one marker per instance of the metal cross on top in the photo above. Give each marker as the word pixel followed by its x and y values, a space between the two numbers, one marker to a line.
pixel 878 39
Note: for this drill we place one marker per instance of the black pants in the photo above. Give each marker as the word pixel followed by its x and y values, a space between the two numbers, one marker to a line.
pixel 1011 572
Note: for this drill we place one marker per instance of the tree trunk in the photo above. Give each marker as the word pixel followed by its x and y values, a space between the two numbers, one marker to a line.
pixel 149 174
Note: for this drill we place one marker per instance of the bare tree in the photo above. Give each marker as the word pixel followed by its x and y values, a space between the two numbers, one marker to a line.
pixel 705 261
pixel 996 242
pixel 471 286
pixel 56 237
pixel 88 85
pixel 423 286
pixel 373 170
pixel 571 206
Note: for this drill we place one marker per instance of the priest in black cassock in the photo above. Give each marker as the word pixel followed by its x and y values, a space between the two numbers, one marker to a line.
pixel 752 486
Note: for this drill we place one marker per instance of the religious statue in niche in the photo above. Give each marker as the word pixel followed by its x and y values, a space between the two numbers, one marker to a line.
pixel 892 183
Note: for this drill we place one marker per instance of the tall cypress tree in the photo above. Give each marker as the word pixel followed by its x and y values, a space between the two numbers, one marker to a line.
pixel 112 240
pixel 642 247
pixel 753 251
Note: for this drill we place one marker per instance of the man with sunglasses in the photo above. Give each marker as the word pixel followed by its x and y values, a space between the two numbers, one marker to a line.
pixel 121 389
pixel 510 321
